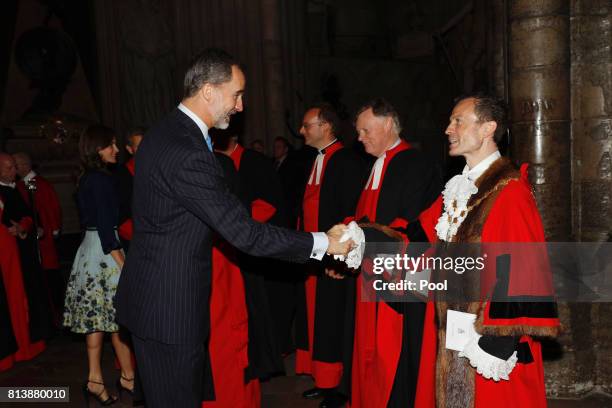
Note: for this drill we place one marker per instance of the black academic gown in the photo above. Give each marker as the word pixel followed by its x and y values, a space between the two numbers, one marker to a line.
pixel 38 307
pixel 342 181
pixel 410 184
pixel 282 286
pixel 258 182
pixel 293 173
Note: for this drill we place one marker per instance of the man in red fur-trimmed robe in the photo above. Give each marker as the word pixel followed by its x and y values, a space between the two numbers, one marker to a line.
pixel 47 207
pixel 21 269
pixel 490 202
pixel 331 194
pixel 34 187
pixel 387 341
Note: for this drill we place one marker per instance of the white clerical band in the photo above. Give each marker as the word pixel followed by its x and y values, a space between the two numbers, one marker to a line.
pixel 376 173
pixel 317 169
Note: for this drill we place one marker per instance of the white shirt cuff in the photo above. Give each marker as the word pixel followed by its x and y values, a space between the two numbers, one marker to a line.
pixel 319 246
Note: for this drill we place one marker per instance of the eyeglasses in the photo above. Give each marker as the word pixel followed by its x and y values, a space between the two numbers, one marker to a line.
pixel 309 125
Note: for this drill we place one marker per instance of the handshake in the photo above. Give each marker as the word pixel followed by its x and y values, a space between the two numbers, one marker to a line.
pixel 346 243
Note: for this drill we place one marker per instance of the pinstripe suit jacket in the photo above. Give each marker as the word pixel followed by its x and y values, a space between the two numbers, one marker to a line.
pixel 180 197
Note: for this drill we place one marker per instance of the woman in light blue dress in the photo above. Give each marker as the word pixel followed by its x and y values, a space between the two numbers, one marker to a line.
pixel 97 266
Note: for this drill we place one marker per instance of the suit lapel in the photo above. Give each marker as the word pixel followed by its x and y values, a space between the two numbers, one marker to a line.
pixel 190 125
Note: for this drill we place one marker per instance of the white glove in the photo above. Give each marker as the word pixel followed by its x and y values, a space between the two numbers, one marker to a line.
pixel 353 232
pixel 486 364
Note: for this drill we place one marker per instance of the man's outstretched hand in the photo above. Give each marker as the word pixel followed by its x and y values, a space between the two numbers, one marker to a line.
pixel 335 246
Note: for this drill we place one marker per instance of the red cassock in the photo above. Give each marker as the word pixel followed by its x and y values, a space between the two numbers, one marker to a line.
pixel 388 335
pixel 378 328
pixel 513 218
pixel 50 218
pixel 17 301
pixel 229 334
pixel 325 374
pixel 229 320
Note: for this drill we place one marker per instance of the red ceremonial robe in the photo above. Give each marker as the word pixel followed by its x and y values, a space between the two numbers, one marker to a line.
pixel 328 199
pixel 388 336
pixel 8 343
pixel 16 302
pixel 39 317
pixel 229 320
pixel 512 217
pixel 49 218
pixel 229 337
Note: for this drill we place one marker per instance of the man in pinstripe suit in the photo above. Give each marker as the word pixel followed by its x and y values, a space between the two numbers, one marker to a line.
pixel 180 198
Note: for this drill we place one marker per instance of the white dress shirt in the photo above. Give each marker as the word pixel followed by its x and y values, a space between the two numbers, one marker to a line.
pixel 198 122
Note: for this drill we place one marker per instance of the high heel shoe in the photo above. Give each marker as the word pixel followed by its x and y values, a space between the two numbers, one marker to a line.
pixel 121 388
pixel 98 397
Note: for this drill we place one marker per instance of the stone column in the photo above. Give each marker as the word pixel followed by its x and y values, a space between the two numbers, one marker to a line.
pixel 592 117
pixel 540 105
pixel 539 90
pixel 591 59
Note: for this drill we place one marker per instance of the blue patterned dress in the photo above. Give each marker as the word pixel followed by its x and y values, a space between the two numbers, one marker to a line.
pixel 95 274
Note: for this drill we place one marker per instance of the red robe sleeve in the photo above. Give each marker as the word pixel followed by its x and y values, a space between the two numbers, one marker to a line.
pixel 48 207
pixel 49 219
pixel 126 230
pixel 261 210
pixel 522 268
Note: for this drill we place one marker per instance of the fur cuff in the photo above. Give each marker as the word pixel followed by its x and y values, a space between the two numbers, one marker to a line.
pixel 486 364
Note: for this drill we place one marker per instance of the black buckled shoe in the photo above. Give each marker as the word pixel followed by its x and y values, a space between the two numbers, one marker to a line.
pixel 314 393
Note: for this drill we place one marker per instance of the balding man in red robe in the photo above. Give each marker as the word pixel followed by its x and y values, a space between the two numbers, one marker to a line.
pixel 387 342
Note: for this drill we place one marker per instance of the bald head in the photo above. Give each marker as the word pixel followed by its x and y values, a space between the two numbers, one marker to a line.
pixel 8 170
pixel 23 161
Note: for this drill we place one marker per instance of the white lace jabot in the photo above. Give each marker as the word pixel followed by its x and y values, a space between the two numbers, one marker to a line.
pixel 456 195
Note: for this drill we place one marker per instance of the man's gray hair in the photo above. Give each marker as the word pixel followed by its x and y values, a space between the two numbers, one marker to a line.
pixel 212 66
pixel 382 108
